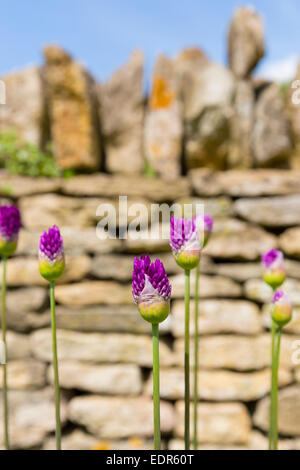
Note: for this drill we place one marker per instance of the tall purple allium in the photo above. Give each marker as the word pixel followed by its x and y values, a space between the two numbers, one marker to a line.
pixel 51 254
pixel 10 224
pixel 281 308
pixel 273 268
pixel 151 289
pixel 184 242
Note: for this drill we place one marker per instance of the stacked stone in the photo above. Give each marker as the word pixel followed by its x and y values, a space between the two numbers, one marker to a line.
pixel 105 347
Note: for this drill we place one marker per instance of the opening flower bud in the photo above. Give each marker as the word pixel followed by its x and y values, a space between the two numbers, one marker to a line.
pixel 10 224
pixel 281 308
pixel 274 272
pixel 51 255
pixel 151 289
pixel 204 227
pixel 185 243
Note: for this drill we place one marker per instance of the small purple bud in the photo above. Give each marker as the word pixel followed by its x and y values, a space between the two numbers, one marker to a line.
pixel 185 243
pixel 281 308
pixel 51 255
pixel 274 272
pixel 204 226
pixel 151 289
pixel 10 224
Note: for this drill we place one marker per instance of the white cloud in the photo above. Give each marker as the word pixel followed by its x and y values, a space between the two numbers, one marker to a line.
pixel 282 70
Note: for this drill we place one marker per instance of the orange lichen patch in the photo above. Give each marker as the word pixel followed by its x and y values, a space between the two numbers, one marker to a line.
pixel 155 149
pixel 135 442
pixel 101 446
pixel 161 96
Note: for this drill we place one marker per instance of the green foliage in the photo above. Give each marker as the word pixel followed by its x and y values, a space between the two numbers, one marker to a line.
pixel 149 171
pixel 24 158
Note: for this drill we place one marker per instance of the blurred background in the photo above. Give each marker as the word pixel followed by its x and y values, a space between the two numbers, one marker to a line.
pixel 162 102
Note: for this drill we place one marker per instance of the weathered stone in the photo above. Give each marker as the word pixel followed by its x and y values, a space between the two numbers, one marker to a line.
pixel 237 271
pixel 227 423
pixel 288 412
pixel 270 211
pixel 27 429
pixel 178 444
pixel 219 316
pixel 25 374
pixel 93 293
pixel 289 242
pixel 245 41
pixel 211 286
pixel 235 239
pixel 271 139
pixel 18 346
pixel 107 417
pixel 215 207
pixel 147 241
pixel 112 348
pixel 105 318
pixel 17 185
pixel 73 111
pixel 112 267
pixel 106 379
pixel 219 385
pixel 76 242
pixel 241 124
pixel 122 113
pixel 25 271
pixel 25 300
pixel 256 289
pixel 238 183
pixel 103 185
pixel 76 440
pixel 24 110
pixel 239 353
pixel 163 124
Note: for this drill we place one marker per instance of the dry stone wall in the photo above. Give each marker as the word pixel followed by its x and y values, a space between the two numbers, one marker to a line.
pixel 105 347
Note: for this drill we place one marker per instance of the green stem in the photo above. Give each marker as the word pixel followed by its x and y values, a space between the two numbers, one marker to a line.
pixel 3 321
pixel 196 361
pixel 187 362
pixel 55 367
pixel 271 425
pixel 275 391
pixel 156 400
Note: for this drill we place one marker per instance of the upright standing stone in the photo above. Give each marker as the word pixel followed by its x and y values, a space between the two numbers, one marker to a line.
pixel 73 111
pixel 240 155
pixel 122 115
pixel 24 110
pixel 163 126
pixel 245 41
pixel 271 139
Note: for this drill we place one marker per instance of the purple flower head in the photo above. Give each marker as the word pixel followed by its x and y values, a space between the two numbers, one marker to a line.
pixel 182 231
pixel 150 279
pixel 10 222
pixel 51 244
pixel 272 258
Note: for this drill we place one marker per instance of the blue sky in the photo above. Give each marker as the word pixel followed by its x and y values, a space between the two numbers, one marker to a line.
pixel 102 33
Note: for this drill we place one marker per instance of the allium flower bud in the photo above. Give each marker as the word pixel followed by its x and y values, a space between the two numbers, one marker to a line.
pixel 281 308
pixel 274 272
pixel 10 224
pixel 185 243
pixel 151 289
pixel 51 255
pixel 204 226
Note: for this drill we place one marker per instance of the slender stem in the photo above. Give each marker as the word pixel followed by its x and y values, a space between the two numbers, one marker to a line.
pixel 275 391
pixel 271 425
pixel 156 399
pixel 3 321
pixel 187 362
pixel 55 367
pixel 196 361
